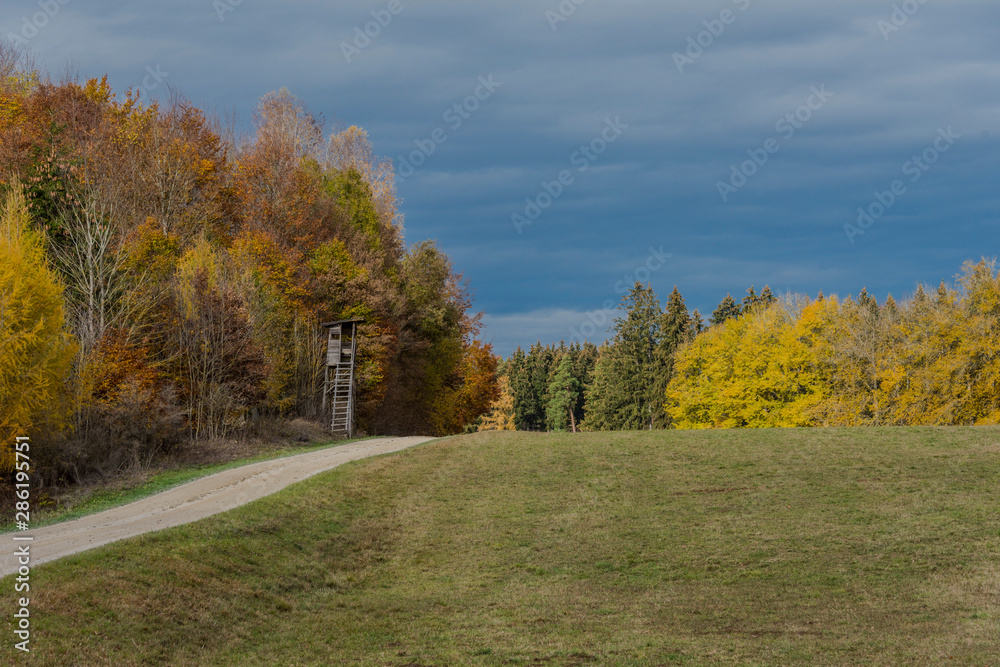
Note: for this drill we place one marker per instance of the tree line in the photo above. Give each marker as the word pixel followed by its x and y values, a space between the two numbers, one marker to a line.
pixel 933 359
pixel 163 279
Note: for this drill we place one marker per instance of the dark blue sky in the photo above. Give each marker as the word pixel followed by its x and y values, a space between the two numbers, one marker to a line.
pixel 642 107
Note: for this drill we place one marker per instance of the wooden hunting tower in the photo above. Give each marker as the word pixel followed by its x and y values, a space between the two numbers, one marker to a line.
pixel 338 383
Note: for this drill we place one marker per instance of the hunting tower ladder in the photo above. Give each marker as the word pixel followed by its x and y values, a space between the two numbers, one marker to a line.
pixel 338 382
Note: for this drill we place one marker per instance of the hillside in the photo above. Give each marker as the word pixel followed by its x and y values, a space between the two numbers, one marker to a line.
pixel 830 546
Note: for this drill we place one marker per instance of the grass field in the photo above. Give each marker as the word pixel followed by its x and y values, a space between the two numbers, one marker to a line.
pixel 873 547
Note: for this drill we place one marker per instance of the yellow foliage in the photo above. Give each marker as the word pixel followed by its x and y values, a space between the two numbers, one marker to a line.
pixel 501 414
pixel 35 351
pixel 759 370
pixel 201 257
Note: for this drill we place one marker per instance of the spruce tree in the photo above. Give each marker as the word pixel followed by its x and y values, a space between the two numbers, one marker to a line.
pixel 675 325
pixel 750 301
pixel 563 392
pixel 728 309
pixel 520 388
pixel 766 297
pixel 623 394
pixel 584 364
pixel 867 303
pixel 696 326
pixel 890 306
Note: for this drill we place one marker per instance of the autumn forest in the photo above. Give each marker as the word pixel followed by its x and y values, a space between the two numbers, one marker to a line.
pixel 163 279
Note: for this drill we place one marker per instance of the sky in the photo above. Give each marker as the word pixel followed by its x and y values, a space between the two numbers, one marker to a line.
pixel 559 151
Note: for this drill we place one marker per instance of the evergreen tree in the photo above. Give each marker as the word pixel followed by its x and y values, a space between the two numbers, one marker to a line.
pixel 584 364
pixel 750 301
pixel 890 306
pixel 696 326
pixel 563 392
pixel 728 309
pixel 675 325
pixel 520 387
pixel 766 297
pixel 623 394
pixel 943 297
pixel 867 303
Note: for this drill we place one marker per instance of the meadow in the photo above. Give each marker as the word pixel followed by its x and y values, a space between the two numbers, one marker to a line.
pixel 749 547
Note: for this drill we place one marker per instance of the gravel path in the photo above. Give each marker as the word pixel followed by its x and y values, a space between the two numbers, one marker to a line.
pixel 190 502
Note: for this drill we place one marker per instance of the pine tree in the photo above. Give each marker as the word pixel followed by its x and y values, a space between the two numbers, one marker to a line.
pixel 766 297
pixel 727 309
pixel 563 392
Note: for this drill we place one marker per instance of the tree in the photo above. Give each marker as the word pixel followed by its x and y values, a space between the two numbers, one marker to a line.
pixel 697 324
pixel 35 350
pixel 623 394
pixel 759 370
pixel 479 390
pixel 501 414
pixel 674 331
pixel 728 309
pixel 562 395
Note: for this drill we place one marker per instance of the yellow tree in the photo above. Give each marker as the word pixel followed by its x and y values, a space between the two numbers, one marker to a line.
pixel 759 370
pixel 501 414
pixel 35 350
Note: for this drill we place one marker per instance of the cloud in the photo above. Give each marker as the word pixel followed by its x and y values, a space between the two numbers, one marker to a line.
pixel 658 184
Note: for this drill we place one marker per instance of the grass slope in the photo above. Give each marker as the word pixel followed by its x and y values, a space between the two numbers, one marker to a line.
pixel 840 546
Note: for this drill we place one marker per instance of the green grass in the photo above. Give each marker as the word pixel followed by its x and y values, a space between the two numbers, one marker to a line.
pixel 790 547
pixel 103 498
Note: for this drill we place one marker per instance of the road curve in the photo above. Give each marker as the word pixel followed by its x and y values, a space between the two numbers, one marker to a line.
pixel 189 502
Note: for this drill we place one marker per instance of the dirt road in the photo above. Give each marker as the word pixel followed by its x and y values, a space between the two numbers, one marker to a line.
pixel 189 502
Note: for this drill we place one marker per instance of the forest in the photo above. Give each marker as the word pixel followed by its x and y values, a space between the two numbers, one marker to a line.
pixel 163 278
pixel 769 361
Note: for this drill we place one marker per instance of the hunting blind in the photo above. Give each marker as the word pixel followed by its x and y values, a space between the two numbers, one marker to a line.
pixel 338 381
